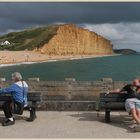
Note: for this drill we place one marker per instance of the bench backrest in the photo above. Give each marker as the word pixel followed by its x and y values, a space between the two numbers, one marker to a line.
pixel 113 101
pixel 32 96
pixel 113 97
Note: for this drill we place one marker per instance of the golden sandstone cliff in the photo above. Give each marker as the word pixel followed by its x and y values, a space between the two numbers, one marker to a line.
pixel 73 40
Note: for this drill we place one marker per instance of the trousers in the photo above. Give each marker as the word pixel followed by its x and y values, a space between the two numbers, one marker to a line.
pixel 9 107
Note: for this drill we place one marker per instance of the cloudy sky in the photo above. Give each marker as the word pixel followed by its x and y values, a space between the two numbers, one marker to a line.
pixel 119 22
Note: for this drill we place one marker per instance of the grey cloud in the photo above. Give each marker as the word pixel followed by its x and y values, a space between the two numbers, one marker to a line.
pixel 119 22
pixel 70 12
pixel 122 35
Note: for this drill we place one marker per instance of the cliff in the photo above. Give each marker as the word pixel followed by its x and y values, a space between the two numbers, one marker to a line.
pixel 73 40
pixel 67 39
pixel 125 51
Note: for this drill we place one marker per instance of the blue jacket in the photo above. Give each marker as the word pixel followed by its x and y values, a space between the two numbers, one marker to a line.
pixel 16 90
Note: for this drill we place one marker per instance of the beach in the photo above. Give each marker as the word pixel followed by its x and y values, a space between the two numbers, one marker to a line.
pixel 18 57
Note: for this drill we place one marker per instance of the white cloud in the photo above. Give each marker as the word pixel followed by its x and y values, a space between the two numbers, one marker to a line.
pixel 122 35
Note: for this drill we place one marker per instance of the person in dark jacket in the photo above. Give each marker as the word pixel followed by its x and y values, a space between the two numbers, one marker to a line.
pixel 18 90
pixel 132 103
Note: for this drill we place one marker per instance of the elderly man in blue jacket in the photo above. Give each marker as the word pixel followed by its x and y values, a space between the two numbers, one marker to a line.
pixel 18 90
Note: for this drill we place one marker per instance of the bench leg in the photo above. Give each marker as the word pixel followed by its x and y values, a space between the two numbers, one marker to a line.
pixel 32 114
pixel 107 115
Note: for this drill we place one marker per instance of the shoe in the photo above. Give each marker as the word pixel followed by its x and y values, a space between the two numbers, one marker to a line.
pixel 8 122
pixel 132 126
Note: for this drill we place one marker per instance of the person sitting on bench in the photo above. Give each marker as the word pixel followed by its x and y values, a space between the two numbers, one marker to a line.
pixel 132 103
pixel 18 90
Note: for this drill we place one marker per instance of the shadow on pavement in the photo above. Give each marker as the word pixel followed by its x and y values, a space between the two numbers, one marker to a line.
pixel 122 121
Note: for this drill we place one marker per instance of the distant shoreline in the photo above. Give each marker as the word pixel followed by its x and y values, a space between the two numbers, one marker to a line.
pixel 12 58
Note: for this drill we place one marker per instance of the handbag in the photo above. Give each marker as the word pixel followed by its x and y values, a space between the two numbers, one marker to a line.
pixel 18 107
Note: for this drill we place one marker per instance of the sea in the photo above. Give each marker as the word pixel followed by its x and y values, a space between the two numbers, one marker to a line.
pixel 119 68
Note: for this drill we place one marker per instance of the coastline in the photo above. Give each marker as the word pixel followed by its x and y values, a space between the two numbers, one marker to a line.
pixel 11 58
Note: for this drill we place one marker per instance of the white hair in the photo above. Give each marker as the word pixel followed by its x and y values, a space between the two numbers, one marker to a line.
pixel 16 76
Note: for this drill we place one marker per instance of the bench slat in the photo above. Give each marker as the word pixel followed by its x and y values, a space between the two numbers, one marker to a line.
pixel 115 106
pixel 112 105
pixel 30 96
pixel 114 95
pixel 5 98
pixel 112 99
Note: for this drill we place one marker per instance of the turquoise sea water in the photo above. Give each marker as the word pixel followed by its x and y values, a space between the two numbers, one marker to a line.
pixel 124 67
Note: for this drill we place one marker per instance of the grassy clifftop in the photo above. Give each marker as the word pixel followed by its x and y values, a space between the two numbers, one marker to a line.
pixel 125 51
pixel 28 39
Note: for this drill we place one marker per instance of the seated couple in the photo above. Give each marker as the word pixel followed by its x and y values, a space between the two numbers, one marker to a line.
pixel 132 103
pixel 18 91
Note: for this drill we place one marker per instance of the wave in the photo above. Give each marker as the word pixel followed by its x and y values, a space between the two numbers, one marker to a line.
pixel 22 63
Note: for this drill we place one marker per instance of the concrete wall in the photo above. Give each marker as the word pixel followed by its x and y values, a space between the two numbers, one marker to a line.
pixel 71 95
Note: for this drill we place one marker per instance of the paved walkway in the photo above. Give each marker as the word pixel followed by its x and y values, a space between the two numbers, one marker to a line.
pixel 69 125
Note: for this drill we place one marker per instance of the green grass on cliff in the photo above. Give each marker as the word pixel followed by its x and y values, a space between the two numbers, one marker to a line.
pixel 28 39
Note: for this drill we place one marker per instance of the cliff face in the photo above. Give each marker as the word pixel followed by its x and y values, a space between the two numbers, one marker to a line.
pixel 73 40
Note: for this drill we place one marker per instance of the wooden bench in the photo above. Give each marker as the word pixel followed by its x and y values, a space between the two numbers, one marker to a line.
pixel 112 102
pixel 34 98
